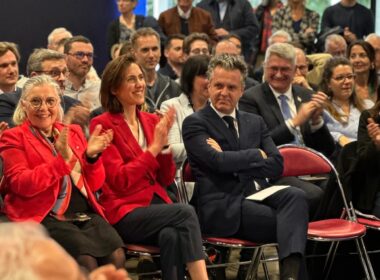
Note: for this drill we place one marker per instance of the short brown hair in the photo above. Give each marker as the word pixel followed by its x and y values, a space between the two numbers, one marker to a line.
pixel 9 46
pixel 143 32
pixel 70 41
pixel 111 80
pixel 188 41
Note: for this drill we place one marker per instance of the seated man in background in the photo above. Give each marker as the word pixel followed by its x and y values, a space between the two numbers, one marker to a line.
pixel 174 57
pixel 79 54
pixel 196 44
pixel 291 113
pixel 147 51
pixel 336 45
pixel 226 46
pixel 52 63
pixel 229 151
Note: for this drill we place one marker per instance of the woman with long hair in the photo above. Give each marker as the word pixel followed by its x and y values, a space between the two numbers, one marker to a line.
pixel 362 57
pixel 138 167
pixel 344 107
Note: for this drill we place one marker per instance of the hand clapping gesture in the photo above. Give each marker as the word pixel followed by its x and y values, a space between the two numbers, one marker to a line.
pixel 161 132
pixel 62 144
pixel 98 141
pixel 374 132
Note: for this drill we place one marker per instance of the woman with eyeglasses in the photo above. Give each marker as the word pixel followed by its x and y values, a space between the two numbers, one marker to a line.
pixel 362 57
pixel 51 175
pixel 139 166
pixel 344 106
pixel 120 29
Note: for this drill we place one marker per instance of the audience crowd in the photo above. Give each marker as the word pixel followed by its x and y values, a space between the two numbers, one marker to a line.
pixel 92 163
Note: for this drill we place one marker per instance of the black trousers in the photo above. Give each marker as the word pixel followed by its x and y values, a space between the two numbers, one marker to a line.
pixel 173 227
pixel 313 193
pixel 282 218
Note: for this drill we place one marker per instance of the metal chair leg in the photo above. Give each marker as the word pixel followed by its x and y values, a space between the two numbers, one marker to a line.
pixel 265 267
pixel 330 259
pixel 365 260
pixel 255 262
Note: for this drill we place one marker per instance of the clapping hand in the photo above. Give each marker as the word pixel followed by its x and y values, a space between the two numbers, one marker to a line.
pixel 161 132
pixel 98 141
pixel 3 126
pixel 109 272
pixel 374 132
pixel 62 144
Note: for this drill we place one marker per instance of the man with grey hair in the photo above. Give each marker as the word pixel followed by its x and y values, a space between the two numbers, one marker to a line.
pixel 146 47
pixel 230 152
pixel 280 36
pixel 56 36
pixel 293 114
pixel 336 45
pixel 52 63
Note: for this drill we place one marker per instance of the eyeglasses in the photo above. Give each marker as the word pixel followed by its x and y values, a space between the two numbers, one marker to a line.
pixel 275 69
pixel 302 67
pixel 200 51
pixel 81 55
pixel 56 73
pixel 36 102
pixel 126 1
pixel 341 78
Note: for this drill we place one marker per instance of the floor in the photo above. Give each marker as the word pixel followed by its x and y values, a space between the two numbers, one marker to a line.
pixel 231 271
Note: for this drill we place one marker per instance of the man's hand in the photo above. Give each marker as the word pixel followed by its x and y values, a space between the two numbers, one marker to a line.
pixel 300 80
pixel 3 126
pixel 263 154
pixel 221 32
pixel 214 145
pixel 374 132
pixel 348 35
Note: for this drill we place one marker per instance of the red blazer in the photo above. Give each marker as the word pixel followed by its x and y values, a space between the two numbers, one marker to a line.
pixel 133 176
pixel 33 175
pixel 199 21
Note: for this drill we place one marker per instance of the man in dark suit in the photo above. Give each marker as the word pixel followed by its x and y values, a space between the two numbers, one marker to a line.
pixel 292 113
pixel 236 17
pixel 228 151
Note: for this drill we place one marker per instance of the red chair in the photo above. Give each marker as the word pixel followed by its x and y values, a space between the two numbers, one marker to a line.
pixel 186 176
pixel 301 161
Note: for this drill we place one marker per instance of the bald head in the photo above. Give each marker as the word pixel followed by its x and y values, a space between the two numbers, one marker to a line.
pixel 226 47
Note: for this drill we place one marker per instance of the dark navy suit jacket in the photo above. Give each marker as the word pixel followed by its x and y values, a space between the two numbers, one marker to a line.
pixel 260 100
pixel 224 179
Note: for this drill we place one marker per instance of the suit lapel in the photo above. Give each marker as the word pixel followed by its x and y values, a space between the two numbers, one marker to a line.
pixel 270 99
pixel 126 133
pixel 219 124
pixel 297 98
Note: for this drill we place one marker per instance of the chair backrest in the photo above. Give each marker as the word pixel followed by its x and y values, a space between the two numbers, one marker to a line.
pixel 301 161
pixel 186 176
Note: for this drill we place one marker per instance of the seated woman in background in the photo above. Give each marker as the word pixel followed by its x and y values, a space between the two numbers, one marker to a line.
pixel 195 95
pixel 367 197
pixel 362 57
pixel 300 22
pixel 138 166
pixel 51 174
pixel 344 107
pixel 120 29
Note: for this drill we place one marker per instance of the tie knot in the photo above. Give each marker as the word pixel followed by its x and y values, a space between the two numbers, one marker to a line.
pixel 229 120
pixel 283 97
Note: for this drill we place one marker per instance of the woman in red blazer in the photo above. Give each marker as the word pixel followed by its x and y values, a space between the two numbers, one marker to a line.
pixel 51 174
pixel 138 166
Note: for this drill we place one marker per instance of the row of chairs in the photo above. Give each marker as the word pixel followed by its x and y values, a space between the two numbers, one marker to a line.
pixel 302 161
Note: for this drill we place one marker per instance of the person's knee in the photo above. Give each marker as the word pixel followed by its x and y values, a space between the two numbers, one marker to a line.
pixel 186 211
pixel 167 235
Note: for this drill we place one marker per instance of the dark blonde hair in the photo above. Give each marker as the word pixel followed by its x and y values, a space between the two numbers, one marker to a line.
pixel 324 86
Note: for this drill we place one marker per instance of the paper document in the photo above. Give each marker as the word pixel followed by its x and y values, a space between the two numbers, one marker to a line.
pixel 263 194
